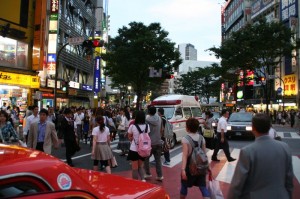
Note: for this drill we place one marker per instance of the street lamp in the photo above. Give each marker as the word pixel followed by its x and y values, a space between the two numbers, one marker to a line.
pixel 129 89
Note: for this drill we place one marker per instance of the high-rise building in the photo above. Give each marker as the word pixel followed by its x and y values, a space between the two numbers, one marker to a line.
pixel 187 51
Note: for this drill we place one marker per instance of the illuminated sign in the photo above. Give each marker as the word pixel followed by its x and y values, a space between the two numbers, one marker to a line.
pixel 87 87
pixel 51 64
pixel 249 78
pixel 97 75
pixel 73 84
pixel 290 87
pixel 52 35
pixel 18 79
pixel 51 83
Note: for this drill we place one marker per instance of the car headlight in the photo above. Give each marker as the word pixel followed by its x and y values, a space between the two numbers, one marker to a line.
pixel 248 128
pixel 228 128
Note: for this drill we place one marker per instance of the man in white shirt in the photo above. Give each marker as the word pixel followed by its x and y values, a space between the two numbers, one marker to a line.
pixel 31 119
pixel 78 117
pixel 4 106
pixel 221 138
pixel 51 116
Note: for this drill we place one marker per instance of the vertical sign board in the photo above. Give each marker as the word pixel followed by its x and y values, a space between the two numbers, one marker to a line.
pixel 52 37
pixel 288 15
pixel 97 74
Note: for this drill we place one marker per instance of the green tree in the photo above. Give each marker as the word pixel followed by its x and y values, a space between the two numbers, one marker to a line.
pixel 137 48
pixel 203 82
pixel 257 47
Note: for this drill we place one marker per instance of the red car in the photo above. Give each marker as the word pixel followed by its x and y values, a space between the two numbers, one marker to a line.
pixel 27 173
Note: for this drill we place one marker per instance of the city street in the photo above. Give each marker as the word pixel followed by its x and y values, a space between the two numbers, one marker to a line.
pixel 222 171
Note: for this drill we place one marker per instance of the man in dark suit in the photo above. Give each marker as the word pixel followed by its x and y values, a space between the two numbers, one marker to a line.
pixel 264 169
pixel 69 136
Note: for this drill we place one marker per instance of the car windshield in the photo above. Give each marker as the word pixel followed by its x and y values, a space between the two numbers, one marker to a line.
pixel 169 111
pixel 240 117
pixel 216 115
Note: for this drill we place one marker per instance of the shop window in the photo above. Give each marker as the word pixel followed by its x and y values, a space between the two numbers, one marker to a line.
pixel 13 53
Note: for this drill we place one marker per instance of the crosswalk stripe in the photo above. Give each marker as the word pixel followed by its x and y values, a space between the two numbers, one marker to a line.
pixel 227 171
pixel 294 135
pixel 296 167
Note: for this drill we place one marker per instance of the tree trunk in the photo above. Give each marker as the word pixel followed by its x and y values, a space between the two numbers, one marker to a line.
pixel 138 100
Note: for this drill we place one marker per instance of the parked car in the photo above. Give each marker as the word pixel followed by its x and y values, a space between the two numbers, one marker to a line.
pixel 240 124
pixel 27 173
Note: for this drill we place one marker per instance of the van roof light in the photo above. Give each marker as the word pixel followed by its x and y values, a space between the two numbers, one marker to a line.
pixel 166 102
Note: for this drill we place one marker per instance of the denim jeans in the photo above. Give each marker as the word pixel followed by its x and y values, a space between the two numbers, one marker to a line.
pixel 156 151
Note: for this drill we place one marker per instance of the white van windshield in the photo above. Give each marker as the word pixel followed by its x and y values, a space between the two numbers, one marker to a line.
pixel 169 111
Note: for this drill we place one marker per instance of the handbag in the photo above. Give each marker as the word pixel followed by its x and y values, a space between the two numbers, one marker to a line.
pixel 113 162
pixel 214 187
pixel 208 133
pixel 165 145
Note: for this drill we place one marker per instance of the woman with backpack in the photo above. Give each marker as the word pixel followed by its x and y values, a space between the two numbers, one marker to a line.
pixel 137 162
pixel 187 179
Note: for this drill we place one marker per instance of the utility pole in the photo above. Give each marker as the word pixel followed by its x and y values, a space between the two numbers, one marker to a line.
pixel 56 74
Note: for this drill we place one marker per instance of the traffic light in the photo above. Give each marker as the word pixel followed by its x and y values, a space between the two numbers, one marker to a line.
pixel 93 43
pixel 64 85
pixel 98 43
pixel 169 76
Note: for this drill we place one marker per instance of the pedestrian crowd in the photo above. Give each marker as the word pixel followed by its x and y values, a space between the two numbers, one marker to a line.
pixel 72 127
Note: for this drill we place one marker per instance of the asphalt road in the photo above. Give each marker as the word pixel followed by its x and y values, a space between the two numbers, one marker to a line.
pixel 82 159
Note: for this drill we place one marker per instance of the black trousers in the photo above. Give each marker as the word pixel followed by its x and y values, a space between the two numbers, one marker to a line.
pixel 219 145
pixel 40 146
pixel 70 150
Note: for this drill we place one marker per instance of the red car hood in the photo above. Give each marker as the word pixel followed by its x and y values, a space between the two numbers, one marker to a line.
pixel 117 187
pixel 16 160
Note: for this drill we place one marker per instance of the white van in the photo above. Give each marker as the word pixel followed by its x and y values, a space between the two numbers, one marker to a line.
pixel 178 108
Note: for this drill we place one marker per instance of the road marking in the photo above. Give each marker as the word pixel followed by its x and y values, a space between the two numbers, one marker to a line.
pixel 226 173
pixel 77 157
pixel 294 135
pixel 296 167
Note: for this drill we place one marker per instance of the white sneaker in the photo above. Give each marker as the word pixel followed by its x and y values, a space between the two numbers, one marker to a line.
pixel 147 176
pixel 160 178
pixel 143 180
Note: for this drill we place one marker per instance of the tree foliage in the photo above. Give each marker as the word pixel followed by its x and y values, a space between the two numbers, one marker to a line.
pixel 203 82
pixel 257 47
pixel 134 50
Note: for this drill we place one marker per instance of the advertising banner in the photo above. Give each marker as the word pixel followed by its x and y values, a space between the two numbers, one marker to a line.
pixel 290 85
pixel 288 8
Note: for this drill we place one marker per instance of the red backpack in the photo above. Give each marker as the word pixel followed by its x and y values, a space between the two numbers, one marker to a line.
pixel 144 142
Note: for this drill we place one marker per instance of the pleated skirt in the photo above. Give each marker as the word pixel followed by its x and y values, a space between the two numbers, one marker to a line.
pixel 102 151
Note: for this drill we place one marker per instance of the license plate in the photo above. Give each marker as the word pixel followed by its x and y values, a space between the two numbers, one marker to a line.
pixel 238 133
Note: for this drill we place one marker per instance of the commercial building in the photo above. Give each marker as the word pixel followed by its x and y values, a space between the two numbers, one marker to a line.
pixel 235 15
pixel 42 59
pixel 18 79
pixel 187 51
